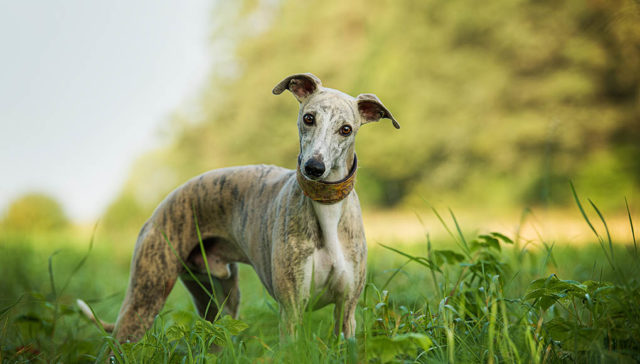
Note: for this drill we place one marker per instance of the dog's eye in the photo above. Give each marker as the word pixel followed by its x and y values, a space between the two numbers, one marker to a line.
pixel 308 119
pixel 345 130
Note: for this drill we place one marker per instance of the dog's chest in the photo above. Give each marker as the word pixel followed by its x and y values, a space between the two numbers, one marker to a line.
pixel 332 268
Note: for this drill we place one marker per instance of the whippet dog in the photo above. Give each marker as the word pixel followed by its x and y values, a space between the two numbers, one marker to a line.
pixel 300 230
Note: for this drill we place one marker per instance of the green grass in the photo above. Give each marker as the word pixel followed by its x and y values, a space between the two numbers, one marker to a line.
pixel 458 298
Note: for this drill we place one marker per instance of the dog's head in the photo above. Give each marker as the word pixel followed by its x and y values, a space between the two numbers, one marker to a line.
pixel 328 122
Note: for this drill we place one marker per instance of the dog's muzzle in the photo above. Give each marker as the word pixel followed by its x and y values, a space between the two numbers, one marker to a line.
pixel 327 192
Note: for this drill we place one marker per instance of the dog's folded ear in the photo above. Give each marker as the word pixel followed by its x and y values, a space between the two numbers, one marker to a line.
pixel 372 109
pixel 301 85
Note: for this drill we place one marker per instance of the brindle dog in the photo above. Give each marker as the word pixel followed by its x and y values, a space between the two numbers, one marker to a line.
pixel 300 230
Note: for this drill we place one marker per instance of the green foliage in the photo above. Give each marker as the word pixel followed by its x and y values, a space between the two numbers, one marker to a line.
pixel 188 337
pixel 476 321
pixel 590 318
pixel 484 301
pixel 387 348
pixel 500 102
pixel 35 212
pixel 125 214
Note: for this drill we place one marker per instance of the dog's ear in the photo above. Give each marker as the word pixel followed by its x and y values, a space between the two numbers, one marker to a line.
pixel 372 109
pixel 301 85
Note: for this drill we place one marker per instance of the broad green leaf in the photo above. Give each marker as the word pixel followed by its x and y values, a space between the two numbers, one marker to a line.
pixel 504 238
pixel 490 241
pixel 386 348
pixel 447 256
pixel 232 325
pixel 184 317
pixel 176 332
pixel 571 335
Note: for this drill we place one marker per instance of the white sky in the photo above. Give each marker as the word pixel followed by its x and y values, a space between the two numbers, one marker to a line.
pixel 85 85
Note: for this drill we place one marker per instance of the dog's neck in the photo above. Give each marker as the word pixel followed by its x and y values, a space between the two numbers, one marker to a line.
pixel 342 170
pixel 329 192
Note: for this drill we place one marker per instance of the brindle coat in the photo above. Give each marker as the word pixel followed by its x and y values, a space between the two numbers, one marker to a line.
pixel 258 215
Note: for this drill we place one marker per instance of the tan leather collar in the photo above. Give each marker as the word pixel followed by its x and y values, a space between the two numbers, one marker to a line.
pixel 328 192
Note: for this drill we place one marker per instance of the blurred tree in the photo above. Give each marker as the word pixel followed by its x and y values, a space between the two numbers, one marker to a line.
pixel 150 178
pixel 501 102
pixel 35 212
pixel 124 215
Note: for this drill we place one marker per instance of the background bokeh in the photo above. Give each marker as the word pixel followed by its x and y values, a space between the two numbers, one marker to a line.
pixel 501 103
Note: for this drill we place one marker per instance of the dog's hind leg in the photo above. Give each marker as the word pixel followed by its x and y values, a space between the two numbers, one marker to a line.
pixel 141 305
pixel 154 271
pixel 225 291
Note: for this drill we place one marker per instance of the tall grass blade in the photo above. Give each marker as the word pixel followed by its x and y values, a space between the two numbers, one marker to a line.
pixel 633 233
pixel 12 305
pixel 419 260
pixel 51 280
pixel 444 224
pixel 424 227
pixel 465 246
pixel 113 344
pixel 184 265
pixel 56 307
pixel 83 260
pixel 204 257
pixel 523 217
pixel 606 228
pixel 429 252
pixel 212 295
pixel 584 215
pixel 395 272
pixel 493 313
pixel 433 273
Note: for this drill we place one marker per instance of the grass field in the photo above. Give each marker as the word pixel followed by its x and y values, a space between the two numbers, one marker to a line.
pixel 453 298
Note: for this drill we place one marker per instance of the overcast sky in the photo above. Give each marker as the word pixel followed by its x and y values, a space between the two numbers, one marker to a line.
pixel 85 85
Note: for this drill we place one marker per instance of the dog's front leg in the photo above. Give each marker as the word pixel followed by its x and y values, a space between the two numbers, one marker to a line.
pixel 292 307
pixel 344 316
pixel 290 318
pixel 291 290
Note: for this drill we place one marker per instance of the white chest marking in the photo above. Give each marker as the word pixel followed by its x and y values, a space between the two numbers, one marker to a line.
pixel 330 259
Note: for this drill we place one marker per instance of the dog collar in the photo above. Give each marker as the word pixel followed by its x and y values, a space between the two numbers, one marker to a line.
pixel 327 192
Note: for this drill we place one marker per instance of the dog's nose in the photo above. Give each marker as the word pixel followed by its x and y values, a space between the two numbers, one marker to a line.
pixel 314 168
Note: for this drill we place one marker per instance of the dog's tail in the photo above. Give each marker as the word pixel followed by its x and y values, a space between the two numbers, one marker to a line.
pixel 107 326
